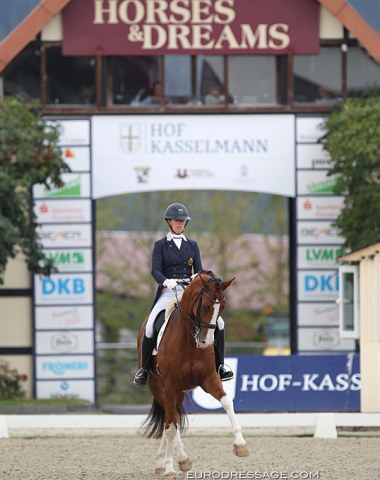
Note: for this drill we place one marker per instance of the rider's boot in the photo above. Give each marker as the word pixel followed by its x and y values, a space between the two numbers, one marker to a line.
pixel 141 377
pixel 224 372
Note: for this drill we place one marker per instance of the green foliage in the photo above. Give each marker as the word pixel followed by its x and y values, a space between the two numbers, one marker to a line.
pixel 10 382
pixel 29 155
pixel 353 141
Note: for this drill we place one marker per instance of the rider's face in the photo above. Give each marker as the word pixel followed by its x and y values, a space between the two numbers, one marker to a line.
pixel 177 226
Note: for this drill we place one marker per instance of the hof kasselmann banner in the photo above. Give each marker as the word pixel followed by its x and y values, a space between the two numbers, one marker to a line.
pixel 185 152
pixel 161 27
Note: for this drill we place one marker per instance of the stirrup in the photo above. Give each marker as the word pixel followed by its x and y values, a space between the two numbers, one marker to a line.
pixel 141 377
pixel 225 374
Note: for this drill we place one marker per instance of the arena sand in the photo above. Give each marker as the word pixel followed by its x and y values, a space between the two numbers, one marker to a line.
pixel 123 455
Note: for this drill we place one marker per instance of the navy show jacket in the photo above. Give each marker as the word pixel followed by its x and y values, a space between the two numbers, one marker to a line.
pixel 168 261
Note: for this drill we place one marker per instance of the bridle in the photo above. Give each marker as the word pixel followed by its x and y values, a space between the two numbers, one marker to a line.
pixel 197 322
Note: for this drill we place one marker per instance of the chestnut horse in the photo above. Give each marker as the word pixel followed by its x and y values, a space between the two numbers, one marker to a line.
pixel 185 360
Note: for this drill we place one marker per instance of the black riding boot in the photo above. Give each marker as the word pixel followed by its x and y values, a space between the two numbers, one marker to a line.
pixel 141 377
pixel 224 372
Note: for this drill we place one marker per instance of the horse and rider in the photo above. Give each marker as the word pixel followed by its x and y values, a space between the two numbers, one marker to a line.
pixel 175 261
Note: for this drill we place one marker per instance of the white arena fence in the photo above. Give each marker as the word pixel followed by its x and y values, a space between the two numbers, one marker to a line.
pixel 324 424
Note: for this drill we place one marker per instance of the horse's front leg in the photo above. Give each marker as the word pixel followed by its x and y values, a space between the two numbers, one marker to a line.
pixel 215 388
pixel 160 464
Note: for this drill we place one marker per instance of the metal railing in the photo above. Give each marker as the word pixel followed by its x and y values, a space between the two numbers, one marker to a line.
pixel 116 364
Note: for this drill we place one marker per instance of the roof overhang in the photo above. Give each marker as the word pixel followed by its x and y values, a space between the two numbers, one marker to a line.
pixel 350 18
pixel 358 255
pixel 31 26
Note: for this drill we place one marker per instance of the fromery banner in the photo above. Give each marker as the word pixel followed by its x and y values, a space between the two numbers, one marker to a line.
pixel 233 27
pixel 186 152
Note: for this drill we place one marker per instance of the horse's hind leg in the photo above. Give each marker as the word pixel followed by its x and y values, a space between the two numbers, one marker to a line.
pixel 184 461
pixel 160 464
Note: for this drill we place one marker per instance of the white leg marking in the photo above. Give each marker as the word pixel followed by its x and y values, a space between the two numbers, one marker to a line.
pixel 168 459
pixel 228 406
pixel 180 449
pixel 160 464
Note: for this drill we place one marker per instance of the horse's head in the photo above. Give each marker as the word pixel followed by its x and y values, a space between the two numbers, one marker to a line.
pixel 203 301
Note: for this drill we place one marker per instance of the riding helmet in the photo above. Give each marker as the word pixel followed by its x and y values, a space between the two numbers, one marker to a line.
pixel 177 211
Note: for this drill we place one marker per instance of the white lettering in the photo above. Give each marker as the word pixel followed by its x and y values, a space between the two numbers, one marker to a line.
pixel 100 10
pixel 278 32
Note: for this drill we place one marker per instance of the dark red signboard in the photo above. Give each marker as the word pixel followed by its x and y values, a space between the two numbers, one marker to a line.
pixel 157 27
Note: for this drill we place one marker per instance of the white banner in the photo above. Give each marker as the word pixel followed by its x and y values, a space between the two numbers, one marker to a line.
pixel 68 389
pixel 75 185
pixel 315 182
pixel 187 152
pixel 318 314
pixel 65 235
pixel 66 317
pixel 319 208
pixel 77 158
pixel 65 366
pixel 317 233
pixel 309 129
pixel 62 211
pixel 63 289
pixel 323 339
pixel 71 260
pixel 73 132
pixel 317 256
pixel 67 342
pixel 312 157
pixel 317 285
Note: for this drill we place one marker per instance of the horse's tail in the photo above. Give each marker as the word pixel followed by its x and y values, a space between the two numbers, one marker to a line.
pixel 154 424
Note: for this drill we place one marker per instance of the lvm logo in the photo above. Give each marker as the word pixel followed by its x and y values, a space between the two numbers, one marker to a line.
pixel 66 258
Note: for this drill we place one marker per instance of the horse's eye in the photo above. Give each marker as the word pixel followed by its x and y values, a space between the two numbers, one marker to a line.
pixel 205 308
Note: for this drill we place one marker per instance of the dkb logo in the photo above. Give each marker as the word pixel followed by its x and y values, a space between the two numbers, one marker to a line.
pixel 60 286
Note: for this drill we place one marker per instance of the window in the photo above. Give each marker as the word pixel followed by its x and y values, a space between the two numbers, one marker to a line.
pixel 133 79
pixel 363 73
pixel 210 80
pixel 177 79
pixel 318 78
pixel 348 302
pixel 252 79
pixel 23 75
pixel 70 80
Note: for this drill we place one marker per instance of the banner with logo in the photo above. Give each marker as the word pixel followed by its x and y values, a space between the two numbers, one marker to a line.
pixel 218 27
pixel 302 383
pixel 319 244
pixel 64 327
pixel 181 152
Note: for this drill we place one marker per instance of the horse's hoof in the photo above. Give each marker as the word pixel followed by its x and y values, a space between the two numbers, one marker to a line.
pixel 170 476
pixel 185 465
pixel 159 471
pixel 241 450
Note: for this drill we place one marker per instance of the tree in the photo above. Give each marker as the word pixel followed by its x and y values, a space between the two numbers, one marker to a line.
pixel 353 141
pixel 29 154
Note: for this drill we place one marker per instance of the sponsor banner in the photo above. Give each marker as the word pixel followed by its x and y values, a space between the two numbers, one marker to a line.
pixel 72 132
pixel 141 27
pixel 323 339
pixel 319 208
pixel 62 236
pixel 71 260
pixel 62 211
pixel 313 233
pixel 180 152
pixel 318 285
pixel 309 129
pixel 63 289
pixel 65 366
pixel 64 317
pixel 77 158
pixel 302 383
pixel 315 182
pixel 64 343
pixel 318 314
pixel 312 157
pixel 66 389
pixel 74 185
pixel 316 256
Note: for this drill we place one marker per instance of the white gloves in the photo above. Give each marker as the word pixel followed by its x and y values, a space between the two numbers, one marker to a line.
pixel 170 283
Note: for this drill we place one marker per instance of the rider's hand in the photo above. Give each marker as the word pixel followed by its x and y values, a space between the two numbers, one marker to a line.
pixel 170 283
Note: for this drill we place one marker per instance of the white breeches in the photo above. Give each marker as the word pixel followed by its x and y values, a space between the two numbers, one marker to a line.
pixel 166 297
